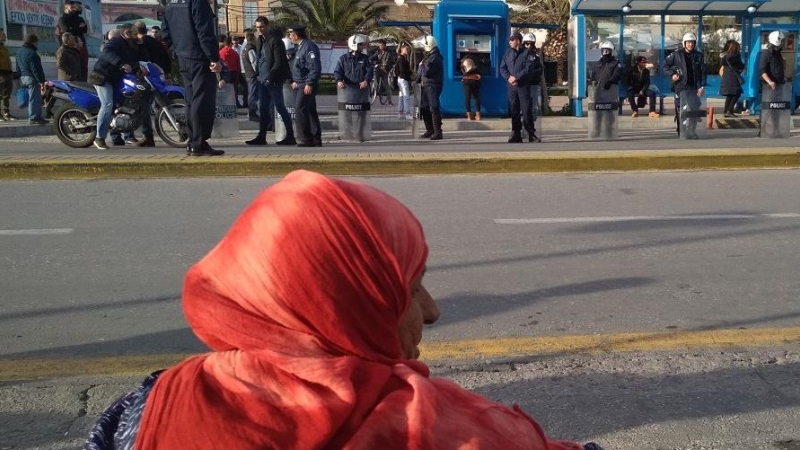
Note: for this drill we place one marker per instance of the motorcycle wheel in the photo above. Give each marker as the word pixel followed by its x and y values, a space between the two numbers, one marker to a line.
pixel 173 137
pixel 74 126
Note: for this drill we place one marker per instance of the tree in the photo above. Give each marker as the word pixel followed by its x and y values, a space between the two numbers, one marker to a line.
pixel 332 20
pixel 554 12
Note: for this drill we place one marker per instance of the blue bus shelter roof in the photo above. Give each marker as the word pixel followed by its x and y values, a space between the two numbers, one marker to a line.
pixel 693 7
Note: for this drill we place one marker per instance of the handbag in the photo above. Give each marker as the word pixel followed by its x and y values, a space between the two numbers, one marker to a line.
pixel 97 78
pixel 739 76
pixel 22 97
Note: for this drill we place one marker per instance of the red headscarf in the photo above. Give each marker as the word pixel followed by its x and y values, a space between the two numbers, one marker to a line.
pixel 300 302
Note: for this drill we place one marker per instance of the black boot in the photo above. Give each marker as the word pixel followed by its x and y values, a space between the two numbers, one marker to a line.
pixel 678 124
pixel 437 127
pixel 428 120
pixel 532 135
pixel 515 138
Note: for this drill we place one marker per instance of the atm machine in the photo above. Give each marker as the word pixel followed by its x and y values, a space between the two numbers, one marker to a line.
pixel 480 29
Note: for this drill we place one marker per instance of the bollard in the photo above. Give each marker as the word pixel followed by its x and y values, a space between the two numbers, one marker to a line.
pixel 710 118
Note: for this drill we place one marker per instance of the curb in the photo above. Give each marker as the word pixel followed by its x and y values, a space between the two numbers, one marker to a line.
pixel 441 164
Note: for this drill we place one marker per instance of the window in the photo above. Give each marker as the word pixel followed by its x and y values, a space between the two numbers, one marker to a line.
pixel 250 14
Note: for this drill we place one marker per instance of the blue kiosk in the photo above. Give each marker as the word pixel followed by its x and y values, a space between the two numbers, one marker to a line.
pixel 479 29
pixel 653 28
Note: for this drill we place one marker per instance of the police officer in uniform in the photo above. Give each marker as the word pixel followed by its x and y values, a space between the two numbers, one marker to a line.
pixel 188 29
pixel 686 68
pixel 306 69
pixel 517 69
pixel 431 75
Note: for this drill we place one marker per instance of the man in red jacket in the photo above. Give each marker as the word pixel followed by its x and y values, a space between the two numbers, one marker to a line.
pixel 230 57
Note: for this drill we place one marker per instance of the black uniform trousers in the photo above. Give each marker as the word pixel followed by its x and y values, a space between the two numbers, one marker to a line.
pixel 201 99
pixel 519 101
pixel 305 110
pixel 429 107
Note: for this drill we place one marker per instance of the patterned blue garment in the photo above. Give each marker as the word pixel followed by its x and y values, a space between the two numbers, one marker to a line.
pixel 117 426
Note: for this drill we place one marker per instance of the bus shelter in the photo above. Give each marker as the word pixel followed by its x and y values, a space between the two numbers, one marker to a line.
pixel 654 29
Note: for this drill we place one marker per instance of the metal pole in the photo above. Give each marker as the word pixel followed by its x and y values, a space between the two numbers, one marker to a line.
pixel 227 19
pixel 216 18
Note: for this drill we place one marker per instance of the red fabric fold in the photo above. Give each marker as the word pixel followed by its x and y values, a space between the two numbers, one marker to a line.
pixel 300 303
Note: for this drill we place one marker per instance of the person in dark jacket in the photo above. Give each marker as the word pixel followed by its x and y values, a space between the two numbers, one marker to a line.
pixel 249 67
pixel 29 65
pixel 402 69
pixel 686 68
pixel 637 83
pixel 529 42
pixel 732 66
pixel 517 69
pixel 383 60
pixel 605 72
pixel 72 22
pixel 273 69
pixel 430 75
pixel 189 30
pixel 306 70
pixel 119 56
pixel 771 66
pixel 68 63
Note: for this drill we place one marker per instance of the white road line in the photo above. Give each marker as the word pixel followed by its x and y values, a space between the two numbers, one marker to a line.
pixel 36 232
pixel 549 220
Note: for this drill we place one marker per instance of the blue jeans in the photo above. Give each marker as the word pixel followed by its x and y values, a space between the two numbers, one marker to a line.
pixel 34 97
pixel 106 94
pixel 276 94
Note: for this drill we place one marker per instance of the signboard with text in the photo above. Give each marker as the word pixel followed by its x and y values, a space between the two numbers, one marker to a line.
pixel 38 13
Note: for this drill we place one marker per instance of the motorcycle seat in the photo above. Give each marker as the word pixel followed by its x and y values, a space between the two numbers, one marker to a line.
pixel 83 86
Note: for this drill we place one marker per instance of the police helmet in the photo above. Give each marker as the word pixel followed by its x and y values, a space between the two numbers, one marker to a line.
pixel 429 43
pixel 776 38
pixel 528 37
pixel 606 45
pixel 689 37
pixel 355 40
pixel 290 48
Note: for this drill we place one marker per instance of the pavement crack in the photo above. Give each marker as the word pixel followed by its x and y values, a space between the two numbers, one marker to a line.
pixel 83 398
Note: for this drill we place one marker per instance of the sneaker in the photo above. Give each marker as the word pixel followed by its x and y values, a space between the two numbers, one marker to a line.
pixel 9 117
pixel 131 141
pixel 100 144
pixel 287 141
pixel 117 142
pixel 654 115
pixel 635 114
pixel 38 121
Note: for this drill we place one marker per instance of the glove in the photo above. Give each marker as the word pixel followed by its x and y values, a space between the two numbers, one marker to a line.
pixel 606 85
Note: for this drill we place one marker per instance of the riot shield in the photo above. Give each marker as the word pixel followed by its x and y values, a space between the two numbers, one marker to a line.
pixel 536 112
pixel 355 119
pixel 603 106
pixel 692 115
pixel 226 124
pixel 776 111
pixel 288 100
pixel 417 117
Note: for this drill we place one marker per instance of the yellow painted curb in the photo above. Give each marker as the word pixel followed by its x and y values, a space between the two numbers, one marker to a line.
pixel 433 351
pixel 410 164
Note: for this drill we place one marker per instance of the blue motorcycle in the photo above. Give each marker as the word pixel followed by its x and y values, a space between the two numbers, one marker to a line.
pixel 75 123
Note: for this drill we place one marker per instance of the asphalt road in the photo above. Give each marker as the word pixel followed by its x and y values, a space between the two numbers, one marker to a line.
pixel 93 269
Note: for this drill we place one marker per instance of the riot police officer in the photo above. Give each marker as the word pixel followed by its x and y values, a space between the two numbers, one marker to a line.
pixel 354 68
pixel 606 72
pixel 306 70
pixel 353 74
pixel 431 76
pixel 687 69
pixel 771 65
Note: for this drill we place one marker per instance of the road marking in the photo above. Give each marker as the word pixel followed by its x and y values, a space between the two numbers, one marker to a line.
pixel 551 220
pixel 433 351
pixel 36 232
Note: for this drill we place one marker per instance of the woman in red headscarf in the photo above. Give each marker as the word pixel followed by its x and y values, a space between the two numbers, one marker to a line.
pixel 313 305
